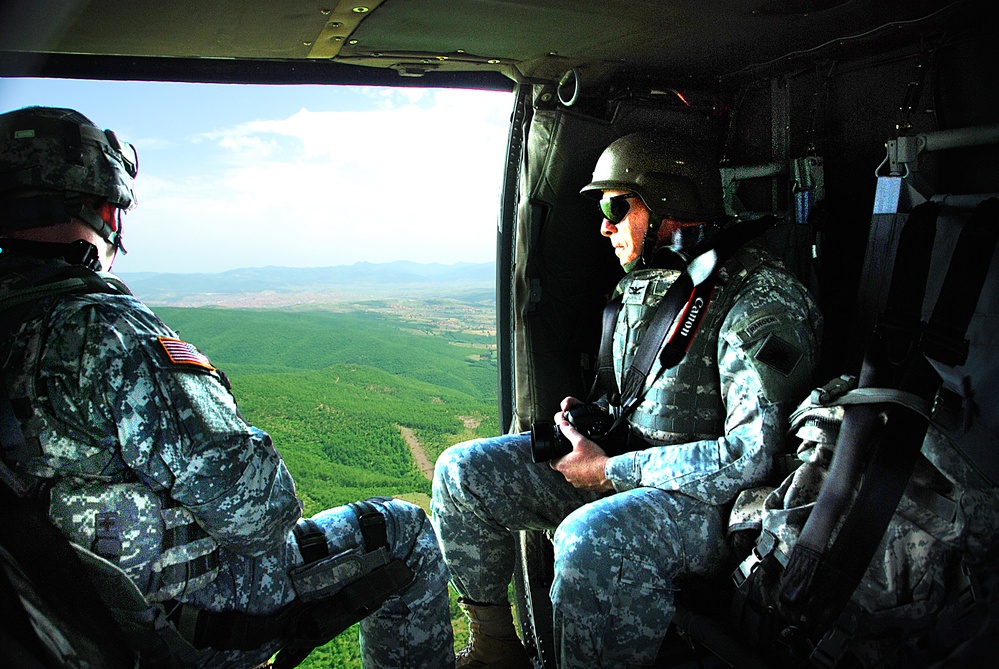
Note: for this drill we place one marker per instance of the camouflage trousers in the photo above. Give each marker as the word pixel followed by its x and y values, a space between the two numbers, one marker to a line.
pixel 412 629
pixel 618 557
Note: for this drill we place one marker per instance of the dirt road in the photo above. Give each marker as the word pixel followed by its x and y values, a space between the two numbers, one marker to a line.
pixel 423 462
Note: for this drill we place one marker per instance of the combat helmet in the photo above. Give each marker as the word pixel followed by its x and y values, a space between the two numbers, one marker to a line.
pixel 674 177
pixel 56 157
pixel 672 174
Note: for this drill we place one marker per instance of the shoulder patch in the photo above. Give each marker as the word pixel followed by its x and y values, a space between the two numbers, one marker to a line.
pixel 181 353
pixel 779 354
pixel 768 321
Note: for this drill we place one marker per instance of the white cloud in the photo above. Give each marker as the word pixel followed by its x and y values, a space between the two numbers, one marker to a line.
pixel 417 179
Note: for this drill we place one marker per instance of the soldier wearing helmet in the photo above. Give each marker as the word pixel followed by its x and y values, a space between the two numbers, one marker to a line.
pixel 666 175
pixel 629 526
pixel 58 169
pixel 127 439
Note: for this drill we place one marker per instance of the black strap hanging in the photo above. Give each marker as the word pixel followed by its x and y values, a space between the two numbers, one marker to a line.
pixel 606 380
pixel 881 454
pixel 899 324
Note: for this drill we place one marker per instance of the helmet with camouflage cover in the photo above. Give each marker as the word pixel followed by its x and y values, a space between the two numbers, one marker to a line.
pixel 672 175
pixel 55 163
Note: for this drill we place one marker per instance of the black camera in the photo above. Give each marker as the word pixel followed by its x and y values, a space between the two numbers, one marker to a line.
pixel 591 420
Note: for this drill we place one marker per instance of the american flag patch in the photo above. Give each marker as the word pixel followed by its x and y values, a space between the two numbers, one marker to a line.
pixel 182 353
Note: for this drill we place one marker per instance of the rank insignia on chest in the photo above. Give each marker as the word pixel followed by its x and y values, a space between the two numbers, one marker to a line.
pixel 635 292
pixel 181 353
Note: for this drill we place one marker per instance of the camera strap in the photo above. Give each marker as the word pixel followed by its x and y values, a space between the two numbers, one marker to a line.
pixel 676 320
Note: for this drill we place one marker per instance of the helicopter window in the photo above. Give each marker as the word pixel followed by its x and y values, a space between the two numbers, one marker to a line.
pixel 299 176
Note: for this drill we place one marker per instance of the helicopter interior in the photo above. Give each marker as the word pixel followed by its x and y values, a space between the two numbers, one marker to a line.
pixel 836 116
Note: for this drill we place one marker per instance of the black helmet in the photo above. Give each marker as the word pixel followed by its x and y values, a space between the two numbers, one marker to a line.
pixel 672 174
pixel 60 153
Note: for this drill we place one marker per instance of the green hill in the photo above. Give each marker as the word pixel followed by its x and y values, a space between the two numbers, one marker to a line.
pixel 249 341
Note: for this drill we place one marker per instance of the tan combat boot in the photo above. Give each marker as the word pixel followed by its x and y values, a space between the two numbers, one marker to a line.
pixel 492 639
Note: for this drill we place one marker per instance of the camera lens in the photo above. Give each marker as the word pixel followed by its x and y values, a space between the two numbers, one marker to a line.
pixel 548 442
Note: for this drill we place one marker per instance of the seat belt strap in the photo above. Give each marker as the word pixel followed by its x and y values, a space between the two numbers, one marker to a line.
pixel 892 463
pixel 815 585
pixel 914 246
pixel 821 580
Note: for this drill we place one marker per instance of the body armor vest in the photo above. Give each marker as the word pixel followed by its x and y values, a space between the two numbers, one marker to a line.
pixel 145 533
pixel 681 404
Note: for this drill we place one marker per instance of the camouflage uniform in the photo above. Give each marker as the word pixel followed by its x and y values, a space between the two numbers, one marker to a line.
pixel 147 462
pixel 923 591
pixel 619 557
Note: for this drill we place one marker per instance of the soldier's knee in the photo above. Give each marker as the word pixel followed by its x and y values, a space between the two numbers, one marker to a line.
pixel 448 462
pixel 465 455
pixel 578 542
pixel 458 467
pixel 595 521
pixel 407 519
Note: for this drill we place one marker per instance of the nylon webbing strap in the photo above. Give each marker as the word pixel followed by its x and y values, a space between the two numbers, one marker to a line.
pixel 606 379
pixel 311 540
pixel 372 524
pixel 903 310
pixel 231 630
pixel 822 579
pixel 912 260
pixel 811 582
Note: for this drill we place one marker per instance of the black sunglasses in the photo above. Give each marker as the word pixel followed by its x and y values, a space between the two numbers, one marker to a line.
pixel 616 207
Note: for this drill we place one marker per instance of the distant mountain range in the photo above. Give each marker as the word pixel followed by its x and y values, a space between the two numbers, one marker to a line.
pixel 282 286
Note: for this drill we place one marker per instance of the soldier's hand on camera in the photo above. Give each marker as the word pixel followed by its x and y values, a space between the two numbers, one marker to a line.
pixel 584 466
pixel 567 404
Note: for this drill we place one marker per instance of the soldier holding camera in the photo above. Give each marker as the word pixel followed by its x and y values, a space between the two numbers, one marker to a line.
pixel 640 501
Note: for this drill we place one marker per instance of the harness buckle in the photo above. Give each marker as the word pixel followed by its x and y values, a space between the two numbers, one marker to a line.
pixel 766 545
pixel 832 645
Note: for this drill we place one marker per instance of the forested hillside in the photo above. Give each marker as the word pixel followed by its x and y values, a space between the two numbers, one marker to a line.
pixel 333 390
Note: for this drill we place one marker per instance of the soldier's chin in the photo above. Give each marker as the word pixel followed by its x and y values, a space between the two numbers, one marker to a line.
pixel 627 260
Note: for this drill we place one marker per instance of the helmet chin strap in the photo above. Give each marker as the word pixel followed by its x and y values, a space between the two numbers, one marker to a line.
pixel 644 259
pixel 107 220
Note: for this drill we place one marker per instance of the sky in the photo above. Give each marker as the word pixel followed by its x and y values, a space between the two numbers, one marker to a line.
pixel 234 176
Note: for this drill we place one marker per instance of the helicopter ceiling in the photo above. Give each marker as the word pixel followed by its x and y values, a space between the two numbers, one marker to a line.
pixel 474 43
